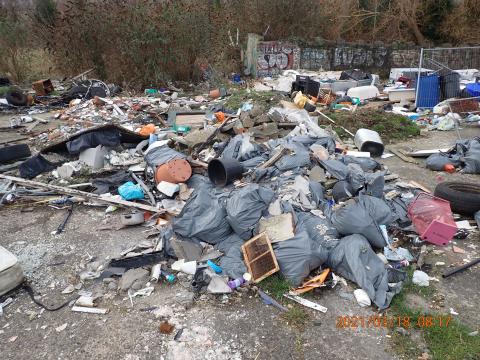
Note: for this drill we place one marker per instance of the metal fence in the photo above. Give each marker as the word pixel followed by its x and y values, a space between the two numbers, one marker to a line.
pixel 445 73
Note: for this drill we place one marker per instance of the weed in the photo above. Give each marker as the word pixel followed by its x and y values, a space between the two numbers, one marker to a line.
pixel 275 285
pixel 261 98
pixel 296 317
pixel 390 126
pixel 299 342
pixel 4 90
pixel 444 342
pixel 405 346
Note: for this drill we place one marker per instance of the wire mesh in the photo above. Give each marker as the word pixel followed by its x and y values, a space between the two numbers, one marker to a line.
pixel 446 73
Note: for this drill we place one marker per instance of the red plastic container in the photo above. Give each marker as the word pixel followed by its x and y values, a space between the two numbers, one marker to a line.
pixel 432 218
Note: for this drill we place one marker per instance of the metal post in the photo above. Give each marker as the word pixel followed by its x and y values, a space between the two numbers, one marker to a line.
pixel 420 64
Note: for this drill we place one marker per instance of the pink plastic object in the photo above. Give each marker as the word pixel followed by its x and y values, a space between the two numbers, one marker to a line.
pixel 432 219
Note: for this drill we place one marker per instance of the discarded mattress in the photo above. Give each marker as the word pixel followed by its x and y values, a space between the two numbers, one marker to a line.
pixel 11 273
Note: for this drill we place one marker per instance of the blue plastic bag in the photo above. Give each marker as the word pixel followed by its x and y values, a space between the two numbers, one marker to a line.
pixel 130 191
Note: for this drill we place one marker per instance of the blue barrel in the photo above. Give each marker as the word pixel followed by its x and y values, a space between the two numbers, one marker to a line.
pixel 428 91
pixel 473 89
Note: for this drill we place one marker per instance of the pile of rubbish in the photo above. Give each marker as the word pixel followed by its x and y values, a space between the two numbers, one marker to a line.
pixel 454 101
pixel 233 196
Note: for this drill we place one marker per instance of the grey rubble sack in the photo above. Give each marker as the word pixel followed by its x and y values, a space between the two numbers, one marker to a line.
pixel 307 250
pixel 245 207
pixel 363 215
pixel 203 218
pixel 161 155
pixel 232 261
pixel 354 259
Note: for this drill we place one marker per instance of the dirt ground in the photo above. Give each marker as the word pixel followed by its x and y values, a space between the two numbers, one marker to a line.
pixel 239 326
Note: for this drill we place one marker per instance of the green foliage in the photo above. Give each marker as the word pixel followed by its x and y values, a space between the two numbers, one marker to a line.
pixel 296 317
pixel 14 36
pixel 4 90
pixel 450 342
pixel 45 12
pixel 275 285
pixel 389 126
pixel 435 12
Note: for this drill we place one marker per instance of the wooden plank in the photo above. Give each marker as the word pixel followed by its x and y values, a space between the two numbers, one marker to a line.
pixel 14 140
pixel 63 190
pixel 420 186
pixel 402 156
pixel 275 157
pixel 426 153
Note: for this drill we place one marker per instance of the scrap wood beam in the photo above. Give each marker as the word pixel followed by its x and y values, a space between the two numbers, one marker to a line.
pixel 83 194
pixel 402 155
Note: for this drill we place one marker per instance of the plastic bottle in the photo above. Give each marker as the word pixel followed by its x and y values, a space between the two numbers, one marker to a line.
pixel 214 267
pixel 167 276
pixel 233 284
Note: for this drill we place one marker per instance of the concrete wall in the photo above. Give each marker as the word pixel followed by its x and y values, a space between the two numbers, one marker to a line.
pixel 377 59
pixel 374 58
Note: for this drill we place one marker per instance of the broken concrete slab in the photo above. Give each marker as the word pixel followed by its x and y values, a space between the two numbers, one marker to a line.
pixel 278 228
pixel 197 137
pixel 131 276
pixel 168 188
pixel 94 157
pixel 317 174
pixel 187 250
pixel 265 130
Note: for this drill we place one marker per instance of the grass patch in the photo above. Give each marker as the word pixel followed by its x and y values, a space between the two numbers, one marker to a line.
pixel 275 285
pixel 296 317
pixel 446 342
pixel 3 91
pixel 391 127
pixel 262 98
pixel 405 346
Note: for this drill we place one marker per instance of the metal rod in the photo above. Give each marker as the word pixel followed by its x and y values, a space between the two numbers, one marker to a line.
pixel 333 122
pixel 420 64
pixel 461 268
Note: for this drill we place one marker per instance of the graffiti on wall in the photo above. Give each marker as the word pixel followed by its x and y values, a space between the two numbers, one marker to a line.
pixel 313 58
pixel 344 57
pixel 360 56
pixel 273 57
pixel 404 58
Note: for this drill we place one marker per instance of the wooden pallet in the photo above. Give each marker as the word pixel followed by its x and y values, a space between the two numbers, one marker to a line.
pixel 259 257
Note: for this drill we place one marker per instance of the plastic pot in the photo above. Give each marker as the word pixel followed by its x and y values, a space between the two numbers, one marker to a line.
pixel 175 171
pixel 214 93
pixel 224 171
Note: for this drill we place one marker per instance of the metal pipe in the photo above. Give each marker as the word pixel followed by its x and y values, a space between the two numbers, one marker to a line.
pixel 461 268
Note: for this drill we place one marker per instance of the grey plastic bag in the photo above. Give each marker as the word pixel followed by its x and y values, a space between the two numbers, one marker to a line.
pixel 161 155
pixel 232 261
pixel 202 217
pixel 363 215
pixel 301 157
pixel 336 168
pixel 307 250
pixel 354 259
pixel 472 162
pixel 234 149
pixel 356 177
pixel 245 207
pixel 367 164
pixel 436 162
